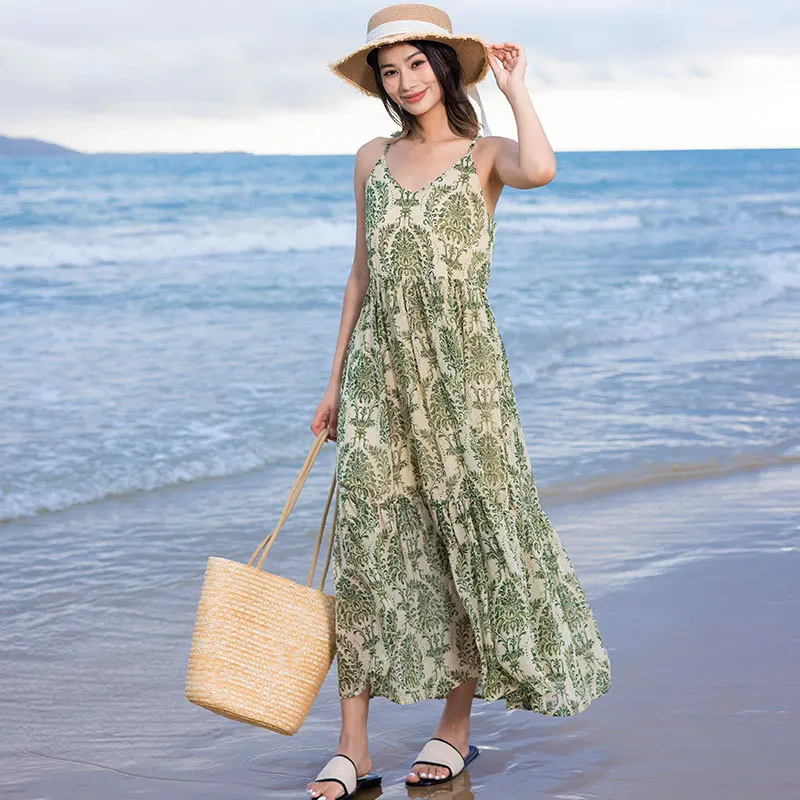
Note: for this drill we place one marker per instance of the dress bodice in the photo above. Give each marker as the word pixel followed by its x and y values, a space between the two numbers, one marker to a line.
pixel 443 230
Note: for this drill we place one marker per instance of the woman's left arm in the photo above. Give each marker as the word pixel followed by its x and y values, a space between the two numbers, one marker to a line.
pixel 530 162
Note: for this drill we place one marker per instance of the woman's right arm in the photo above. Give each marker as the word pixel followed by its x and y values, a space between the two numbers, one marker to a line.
pixel 327 412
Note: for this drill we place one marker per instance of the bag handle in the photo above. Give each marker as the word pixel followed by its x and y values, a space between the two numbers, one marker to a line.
pixel 294 493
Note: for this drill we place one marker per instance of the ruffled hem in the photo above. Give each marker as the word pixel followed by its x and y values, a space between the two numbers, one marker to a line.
pixel 514 699
pixel 536 641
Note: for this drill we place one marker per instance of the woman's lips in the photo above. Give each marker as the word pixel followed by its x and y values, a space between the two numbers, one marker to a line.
pixel 415 98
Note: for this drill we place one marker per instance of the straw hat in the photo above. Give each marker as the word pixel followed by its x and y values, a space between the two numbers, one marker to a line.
pixel 404 21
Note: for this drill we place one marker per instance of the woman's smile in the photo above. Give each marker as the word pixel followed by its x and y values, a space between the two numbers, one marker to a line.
pixel 415 98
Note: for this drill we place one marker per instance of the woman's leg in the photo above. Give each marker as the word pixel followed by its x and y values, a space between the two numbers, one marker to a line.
pixel 453 727
pixel 352 742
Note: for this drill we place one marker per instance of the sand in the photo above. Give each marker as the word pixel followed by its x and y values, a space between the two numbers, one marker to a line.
pixel 704 703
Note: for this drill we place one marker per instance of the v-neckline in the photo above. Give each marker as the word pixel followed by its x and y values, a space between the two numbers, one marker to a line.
pixel 429 183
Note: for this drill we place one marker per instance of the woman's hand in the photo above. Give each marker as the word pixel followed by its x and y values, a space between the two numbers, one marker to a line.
pixel 327 412
pixel 508 63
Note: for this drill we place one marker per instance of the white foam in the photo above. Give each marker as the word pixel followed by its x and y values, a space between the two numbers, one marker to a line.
pixel 554 207
pixel 141 244
pixel 552 224
pixel 144 476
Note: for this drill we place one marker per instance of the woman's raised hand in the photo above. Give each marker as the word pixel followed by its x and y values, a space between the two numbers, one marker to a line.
pixel 508 62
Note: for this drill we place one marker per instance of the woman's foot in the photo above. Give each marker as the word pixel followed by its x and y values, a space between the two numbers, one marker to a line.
pixel 453 728
pixel 459 738
pixel 330 790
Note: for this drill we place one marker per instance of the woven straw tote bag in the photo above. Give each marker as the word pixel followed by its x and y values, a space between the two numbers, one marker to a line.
pixel 263 644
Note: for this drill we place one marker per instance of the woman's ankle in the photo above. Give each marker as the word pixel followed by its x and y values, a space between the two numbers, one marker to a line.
pixel 353 743
pixel 454 729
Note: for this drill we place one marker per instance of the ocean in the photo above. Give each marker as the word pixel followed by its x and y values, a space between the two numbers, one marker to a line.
pixel 172 318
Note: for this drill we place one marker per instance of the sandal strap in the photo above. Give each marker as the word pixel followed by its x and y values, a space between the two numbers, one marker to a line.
pixel 342 770
pixel 442 754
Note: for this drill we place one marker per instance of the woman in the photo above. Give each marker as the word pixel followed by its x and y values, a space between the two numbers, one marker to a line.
pixel 450 580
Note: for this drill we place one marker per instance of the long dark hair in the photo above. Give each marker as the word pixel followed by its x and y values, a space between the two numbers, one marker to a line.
pixel 444 61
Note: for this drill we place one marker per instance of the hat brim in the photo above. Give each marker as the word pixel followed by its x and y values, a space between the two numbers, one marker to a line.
pixel 473 55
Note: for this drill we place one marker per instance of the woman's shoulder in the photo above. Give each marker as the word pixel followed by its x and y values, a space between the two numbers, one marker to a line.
pixel 373 146
pixel 368 155
pixel 378 143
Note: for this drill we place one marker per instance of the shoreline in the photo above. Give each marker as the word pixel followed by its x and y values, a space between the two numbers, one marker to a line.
pixel 651 476
pixel 703 642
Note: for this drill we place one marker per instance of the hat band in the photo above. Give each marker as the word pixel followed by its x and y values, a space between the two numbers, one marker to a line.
pixel 403 26
pixel 420 26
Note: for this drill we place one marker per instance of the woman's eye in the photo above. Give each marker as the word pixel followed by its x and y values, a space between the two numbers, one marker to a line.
pixel 390 72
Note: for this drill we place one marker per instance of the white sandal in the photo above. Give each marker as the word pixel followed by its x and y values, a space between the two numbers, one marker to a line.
pixel 440 753
pixel 342 770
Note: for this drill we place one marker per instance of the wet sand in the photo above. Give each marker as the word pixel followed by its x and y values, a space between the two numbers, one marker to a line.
pixel 704 647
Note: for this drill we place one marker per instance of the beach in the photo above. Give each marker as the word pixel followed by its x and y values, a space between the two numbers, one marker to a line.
pixel 704 655
pixel 169 325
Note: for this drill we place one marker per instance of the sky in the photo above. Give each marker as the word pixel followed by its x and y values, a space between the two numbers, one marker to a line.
pixel 197 75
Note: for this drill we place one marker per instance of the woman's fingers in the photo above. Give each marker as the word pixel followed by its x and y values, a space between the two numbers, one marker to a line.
pixel 321 419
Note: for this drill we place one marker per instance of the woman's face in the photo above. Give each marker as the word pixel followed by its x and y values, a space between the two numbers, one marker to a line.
pixel 408 77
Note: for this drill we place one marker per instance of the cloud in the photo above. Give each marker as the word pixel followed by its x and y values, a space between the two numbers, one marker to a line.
pixel 244 59
pixel 154 58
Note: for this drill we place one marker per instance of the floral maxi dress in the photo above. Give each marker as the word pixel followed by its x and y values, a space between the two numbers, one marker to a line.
pixel 445 566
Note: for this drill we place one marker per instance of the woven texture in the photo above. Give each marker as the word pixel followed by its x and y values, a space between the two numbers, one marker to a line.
pixel 262 644
pixel 472 49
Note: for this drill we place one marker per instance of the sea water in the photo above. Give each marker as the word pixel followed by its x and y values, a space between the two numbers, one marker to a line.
pixel 167 326
pixel 172 318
